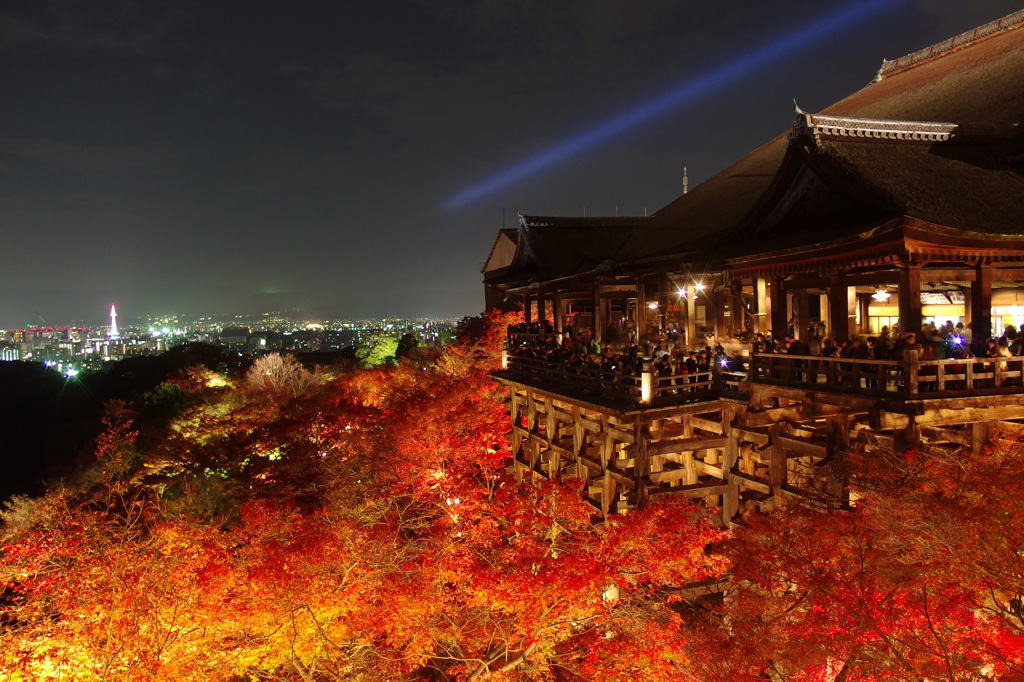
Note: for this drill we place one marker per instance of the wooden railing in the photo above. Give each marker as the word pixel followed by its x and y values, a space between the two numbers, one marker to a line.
pixel 535 339
pixel 644 389
pixel 908 379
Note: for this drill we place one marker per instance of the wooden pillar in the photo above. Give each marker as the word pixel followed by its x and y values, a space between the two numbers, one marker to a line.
pixel 541 305
pixel 910 300
pixel 598 312
pixel 558 313
pixel 981 306
pixel 839 307
pixel 662 298
pixel 718 298
pixel 691 316
pixel 554 468
pixel 579 445
pixel 737 316
pixel 864 305
pixel 851 309
pixel 980 432
pixel 641 309
pixel 801 314
pixel 527 308
pixel 778 467
pixel 641 462
pixel 760 305
pixel 825 315
pixel 779 314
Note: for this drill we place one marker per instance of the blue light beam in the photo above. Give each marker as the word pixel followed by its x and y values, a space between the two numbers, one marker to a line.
pixel 684 93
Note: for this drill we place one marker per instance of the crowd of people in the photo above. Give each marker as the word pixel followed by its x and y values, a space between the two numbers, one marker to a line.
pixel 948 341
pixel 668 356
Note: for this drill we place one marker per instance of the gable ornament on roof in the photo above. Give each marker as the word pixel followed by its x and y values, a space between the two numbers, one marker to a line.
pixel 821 127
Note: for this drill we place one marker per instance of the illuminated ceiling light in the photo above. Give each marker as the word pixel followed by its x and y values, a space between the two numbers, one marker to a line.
pixel 652 306
pixel 881 295
pixel 682 293
pixel 699 286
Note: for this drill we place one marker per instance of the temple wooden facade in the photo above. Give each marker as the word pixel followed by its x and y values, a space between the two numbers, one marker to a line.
pixel 898 206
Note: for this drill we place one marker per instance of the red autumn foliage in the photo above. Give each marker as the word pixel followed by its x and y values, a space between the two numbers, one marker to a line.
pixel 922 581
pixel 366 529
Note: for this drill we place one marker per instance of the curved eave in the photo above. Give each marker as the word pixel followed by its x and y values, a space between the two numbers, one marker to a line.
pixel 903 241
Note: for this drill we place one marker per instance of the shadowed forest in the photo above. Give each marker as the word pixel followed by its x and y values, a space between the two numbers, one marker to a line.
pixel 212 521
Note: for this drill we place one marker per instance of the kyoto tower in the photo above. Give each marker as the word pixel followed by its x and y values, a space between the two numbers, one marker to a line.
pixel 114 334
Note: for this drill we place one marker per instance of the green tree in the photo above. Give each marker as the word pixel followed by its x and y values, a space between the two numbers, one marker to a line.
pixel 379 349
pixel 407 344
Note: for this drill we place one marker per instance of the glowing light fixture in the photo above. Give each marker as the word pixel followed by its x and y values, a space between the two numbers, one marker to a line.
pixel 699 286
pixel 881 295
pixel 652 306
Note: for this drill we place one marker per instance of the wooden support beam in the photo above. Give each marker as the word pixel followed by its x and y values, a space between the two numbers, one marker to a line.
pixel 579 441
pixel 778 467
pixel 608 494
pixel 758 437
pixel 705 424
pixel 641 461
pixel 973 410
pixel 692 491
pixel 709 469
pixel 686 445
pixel 750 482
pixel 802 448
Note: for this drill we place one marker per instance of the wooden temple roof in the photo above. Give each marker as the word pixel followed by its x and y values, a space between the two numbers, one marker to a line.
pixel 553 247
pixel 936 140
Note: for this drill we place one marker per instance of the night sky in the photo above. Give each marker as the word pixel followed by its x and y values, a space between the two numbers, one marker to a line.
pixel 347 157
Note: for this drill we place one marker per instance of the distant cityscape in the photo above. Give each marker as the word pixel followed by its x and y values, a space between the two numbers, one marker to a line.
pixel 77 347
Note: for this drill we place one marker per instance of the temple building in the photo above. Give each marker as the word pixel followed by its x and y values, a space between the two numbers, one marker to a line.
pixel 892 217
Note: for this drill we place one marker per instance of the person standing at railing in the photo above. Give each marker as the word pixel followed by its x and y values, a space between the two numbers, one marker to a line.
pixel 703 362
pixel 857 349
pixel 816 346
pixel 908 342
pixel 691 366
pixel 796 347
pixel 874 351
pixel 736 363
pixel 998 348
pixel 885 339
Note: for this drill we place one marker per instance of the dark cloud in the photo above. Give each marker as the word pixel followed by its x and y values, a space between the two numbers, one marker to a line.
pixel 125 26
pixel 200 154
pixel 155 156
